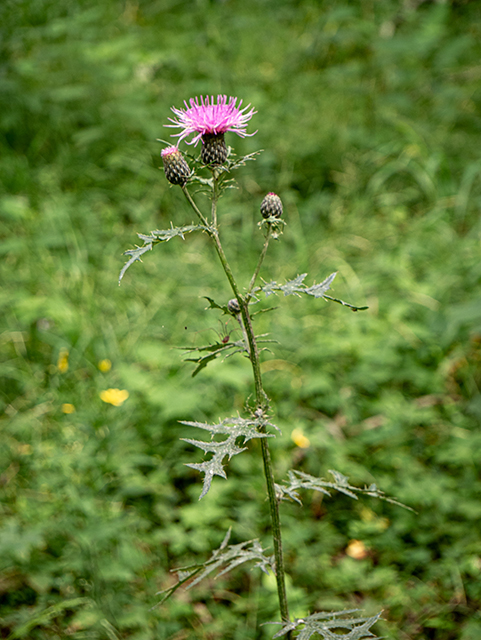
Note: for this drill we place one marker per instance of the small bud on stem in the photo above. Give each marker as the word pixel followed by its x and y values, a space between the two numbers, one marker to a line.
pixel 271 206
pixel 233 306
pixel 176 169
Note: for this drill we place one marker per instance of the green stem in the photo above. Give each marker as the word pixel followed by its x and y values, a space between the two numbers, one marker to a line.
pixel 215 197
pixel 262 401
pixel 194 206
pixel 276 531
pixel 261 406
pixel 259 264
pixel 214 234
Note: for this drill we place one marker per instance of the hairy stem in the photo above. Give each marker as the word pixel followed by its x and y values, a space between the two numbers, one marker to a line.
pixel 215 196
pixel 261 406
pixel 194 206
pixel 259 264
pixel 262 401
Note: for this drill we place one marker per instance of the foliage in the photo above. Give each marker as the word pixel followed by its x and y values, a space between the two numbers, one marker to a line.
pixel 233 428
pixel 297 286
pixel 321 624
pixel 231 556
pixel 370 113
pixel 299 480
pixel 153 238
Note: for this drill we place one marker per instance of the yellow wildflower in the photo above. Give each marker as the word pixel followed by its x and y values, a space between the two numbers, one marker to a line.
pixel 357 549
pixel 300 439
pixel 105 365
pixel 68 408
pixel 62 362
pixel 114 396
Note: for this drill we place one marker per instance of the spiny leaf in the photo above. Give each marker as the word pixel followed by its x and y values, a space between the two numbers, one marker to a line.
pixel 297 287
pixel 225 558
pixel 213 305
pixel 233 428
pixel 163 235
pixel 291 287
pixel 213 467
pixel 283 492
pixel 235 555
pixel 233 163
pixel 214 350
pixel 300 480
pixel 274 225
pixel 318 290
pixel 330 626
pixel 246 427
pixel 218 348
pixel 134 256
pixel 154 238
pixel 345 304
pixel 207 182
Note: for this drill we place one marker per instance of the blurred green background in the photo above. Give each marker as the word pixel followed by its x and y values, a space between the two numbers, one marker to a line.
pixel 369 117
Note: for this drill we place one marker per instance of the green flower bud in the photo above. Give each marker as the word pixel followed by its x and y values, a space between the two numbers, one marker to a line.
pixel 271 206
pixel 176 169
pixel 214 150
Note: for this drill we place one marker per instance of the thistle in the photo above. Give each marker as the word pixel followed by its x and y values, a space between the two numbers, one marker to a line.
pixel 210 121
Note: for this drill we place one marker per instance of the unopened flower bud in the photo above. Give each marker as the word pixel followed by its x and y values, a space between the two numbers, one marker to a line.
pixel 271 206
pixel 176 168
pixel 214 150
pixel 233 306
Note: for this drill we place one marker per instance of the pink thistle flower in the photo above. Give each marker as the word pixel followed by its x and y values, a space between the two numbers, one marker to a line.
pixel 208 118
pixel 168 151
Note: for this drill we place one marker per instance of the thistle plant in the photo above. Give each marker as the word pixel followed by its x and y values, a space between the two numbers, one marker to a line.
pixel 208 120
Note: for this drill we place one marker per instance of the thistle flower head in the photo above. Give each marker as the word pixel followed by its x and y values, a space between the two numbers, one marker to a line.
pixel 168 151
pixel 271 206
pixel 207 117
pixel 176 168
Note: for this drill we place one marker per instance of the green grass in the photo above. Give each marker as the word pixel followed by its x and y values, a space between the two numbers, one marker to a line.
pixel 369 117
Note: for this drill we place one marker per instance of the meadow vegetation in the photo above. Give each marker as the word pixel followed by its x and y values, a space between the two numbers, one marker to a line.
pixel 369 117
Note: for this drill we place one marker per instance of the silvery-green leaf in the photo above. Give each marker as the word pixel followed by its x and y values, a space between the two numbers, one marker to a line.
pixel 330 626
pixel 234 162
pixel 233 428
pixel 318 290
pixel 297 287
pixel 134 257
pixel 223 559
pixel 300 480
pixel 154 238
